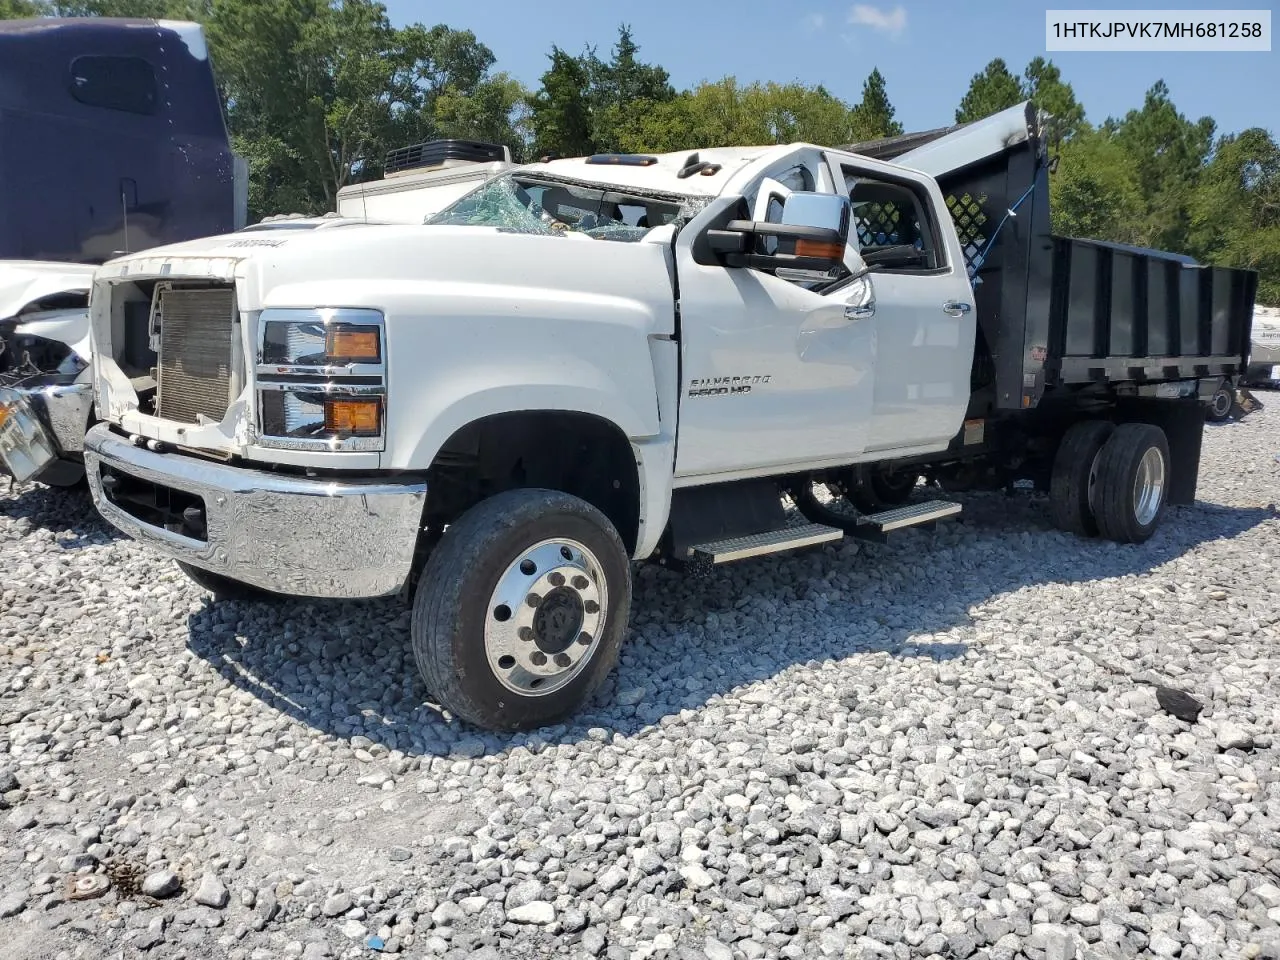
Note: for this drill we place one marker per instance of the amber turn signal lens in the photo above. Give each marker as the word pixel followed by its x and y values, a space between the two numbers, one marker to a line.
pixel 353 418
pixel 348 343
pixel 815 248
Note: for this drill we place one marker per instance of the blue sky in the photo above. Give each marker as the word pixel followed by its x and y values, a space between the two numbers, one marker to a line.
pixel 927 49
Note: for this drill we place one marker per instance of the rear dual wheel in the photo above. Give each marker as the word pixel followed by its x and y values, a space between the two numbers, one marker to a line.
pixel 1111 481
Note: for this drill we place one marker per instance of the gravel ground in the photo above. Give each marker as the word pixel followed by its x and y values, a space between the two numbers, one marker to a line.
pixel 950 746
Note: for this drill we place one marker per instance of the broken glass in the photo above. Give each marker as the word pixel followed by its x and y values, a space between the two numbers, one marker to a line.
pixel 527 203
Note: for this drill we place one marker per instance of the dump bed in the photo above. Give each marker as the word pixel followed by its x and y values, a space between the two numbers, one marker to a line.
pixel 1059 313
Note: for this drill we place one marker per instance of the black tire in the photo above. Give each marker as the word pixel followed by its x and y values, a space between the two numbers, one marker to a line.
pixel 64 475
pixel 1073 469
pixel 223 588
pixel 1117 496
pixel 1218 409
pixel 873 487
pixel 450 608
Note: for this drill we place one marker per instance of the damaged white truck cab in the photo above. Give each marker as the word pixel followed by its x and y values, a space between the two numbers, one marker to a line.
pixel 46 389
pixel 581 363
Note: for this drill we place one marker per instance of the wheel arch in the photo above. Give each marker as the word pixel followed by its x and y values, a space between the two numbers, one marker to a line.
pixel 569 450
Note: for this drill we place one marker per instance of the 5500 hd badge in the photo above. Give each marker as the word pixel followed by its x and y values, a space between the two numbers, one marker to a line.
pixel 724 386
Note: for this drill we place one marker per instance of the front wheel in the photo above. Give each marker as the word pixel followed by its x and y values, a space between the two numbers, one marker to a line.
pixel 521 609
pixel 223 588
pixel 873 487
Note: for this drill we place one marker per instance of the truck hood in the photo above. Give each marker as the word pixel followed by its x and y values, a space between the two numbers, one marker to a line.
pixel 353 249
pixel 26 282
pixel 224 249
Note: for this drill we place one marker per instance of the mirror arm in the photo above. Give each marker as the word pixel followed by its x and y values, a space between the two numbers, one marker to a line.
pixel 789 231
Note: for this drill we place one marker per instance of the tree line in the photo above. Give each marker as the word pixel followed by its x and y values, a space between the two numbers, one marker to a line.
pixel 317 91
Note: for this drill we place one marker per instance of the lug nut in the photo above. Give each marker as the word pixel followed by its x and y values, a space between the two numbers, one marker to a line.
pixel 533 599
pixel 584 639
pixel 524 633
pixel 539 658
pixel 591 606
pixel 562 660
pixel 557 579
pixel 581 583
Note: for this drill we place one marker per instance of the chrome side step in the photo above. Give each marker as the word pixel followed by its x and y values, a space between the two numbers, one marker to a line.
pixel 875 526
pixel 706 555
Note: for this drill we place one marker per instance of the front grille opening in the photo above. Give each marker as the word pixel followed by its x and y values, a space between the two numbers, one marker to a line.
pixel 197 332
pixel 155 504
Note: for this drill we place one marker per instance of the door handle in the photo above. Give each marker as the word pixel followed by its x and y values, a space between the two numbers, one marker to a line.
pixel 956 308
pixel 861 311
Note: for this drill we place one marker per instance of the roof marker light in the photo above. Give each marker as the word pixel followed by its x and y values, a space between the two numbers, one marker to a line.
pixel 623 159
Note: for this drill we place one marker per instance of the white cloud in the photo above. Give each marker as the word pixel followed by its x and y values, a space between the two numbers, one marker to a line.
pixel 892 22
pixel 813 22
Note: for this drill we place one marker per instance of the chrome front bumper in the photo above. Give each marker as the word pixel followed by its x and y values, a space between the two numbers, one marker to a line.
pixel 293 535
pixel 39 424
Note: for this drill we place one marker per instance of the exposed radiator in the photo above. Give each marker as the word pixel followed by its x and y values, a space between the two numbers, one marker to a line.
pixel 196 327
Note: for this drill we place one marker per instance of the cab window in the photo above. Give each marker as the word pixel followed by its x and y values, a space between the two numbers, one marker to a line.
pixel 892 225
pixel 127 84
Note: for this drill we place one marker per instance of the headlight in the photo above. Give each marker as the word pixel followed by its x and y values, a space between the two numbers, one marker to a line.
pixel 321 379
pixel 320 338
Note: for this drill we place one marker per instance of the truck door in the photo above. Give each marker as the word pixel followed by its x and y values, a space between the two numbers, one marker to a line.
pixel 924 320
pixel 774 372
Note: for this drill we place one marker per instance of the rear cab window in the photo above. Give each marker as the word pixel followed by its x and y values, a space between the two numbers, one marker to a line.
pixel 127 84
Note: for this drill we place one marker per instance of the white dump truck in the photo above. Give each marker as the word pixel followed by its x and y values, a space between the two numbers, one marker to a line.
pixel 592 362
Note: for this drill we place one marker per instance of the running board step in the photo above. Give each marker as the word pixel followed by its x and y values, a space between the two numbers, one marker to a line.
pixel 877 526
pixel 706 555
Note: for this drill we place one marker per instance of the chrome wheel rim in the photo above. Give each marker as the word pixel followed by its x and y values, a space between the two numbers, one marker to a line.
pixel 544 617
pixel 1148 486
pixel 1221 403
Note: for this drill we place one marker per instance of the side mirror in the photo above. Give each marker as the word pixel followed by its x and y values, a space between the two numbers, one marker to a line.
pixel 809 242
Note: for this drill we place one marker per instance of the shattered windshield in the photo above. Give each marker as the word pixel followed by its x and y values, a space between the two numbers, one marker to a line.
pixel 527 203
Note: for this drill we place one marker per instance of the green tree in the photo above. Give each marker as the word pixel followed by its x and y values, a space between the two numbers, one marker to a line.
pixel 142 9
pixel 586 104
pixel 1167 153
pixel 620 88
pixel 873 116
pixel 495 110
pixel 1094 192
pixel 561 109
pixel 318 90
pixel 992 90
pixel 1235 211
pixel 443 87
pixel 1043 85
pixel 22 9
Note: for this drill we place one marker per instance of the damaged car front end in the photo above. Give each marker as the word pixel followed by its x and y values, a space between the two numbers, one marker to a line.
pixel 46 392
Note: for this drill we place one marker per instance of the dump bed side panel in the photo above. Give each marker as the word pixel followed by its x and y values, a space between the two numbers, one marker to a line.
pixel 1122 313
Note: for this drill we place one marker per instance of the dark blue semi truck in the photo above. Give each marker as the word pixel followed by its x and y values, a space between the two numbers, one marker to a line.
pixel 112 140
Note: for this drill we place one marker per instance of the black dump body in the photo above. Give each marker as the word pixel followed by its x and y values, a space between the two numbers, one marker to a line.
pixel 111 139
pixel 1059 315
